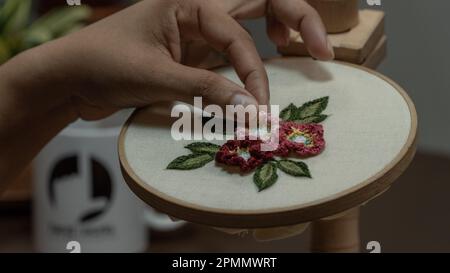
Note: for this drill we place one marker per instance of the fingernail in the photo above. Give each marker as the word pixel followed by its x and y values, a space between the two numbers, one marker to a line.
pixel 240 99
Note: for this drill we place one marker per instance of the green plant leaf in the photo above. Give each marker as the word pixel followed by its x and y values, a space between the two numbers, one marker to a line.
pixel 35 37
pixel 289 113
pixel 312 119
pixel 61 20
pixel 190 162
pixel 294 168
pixel 312 108
pixel 203 148
pixel 16 16
pixel 73 28
pixel 7 11
pixel 265 176
pixel 5 52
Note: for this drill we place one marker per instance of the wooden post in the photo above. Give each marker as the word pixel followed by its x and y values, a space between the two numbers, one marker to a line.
pixel 337 235
pixel 337 15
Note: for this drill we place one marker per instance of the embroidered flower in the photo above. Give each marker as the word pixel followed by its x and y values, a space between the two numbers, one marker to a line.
pixel 255 147
pixel 303 139
pixel 246 154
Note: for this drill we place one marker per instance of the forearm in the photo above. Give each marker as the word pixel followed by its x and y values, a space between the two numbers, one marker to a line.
pixel 31 112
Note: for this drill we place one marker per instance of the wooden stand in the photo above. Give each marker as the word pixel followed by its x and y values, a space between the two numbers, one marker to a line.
pixel 355 46
pixel 357 37
pixel 338 235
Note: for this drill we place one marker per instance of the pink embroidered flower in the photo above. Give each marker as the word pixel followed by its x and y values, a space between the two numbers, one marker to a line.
pixel 246 154
pixel 303 139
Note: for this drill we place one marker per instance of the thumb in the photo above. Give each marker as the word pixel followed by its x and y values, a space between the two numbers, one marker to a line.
pixel 188 82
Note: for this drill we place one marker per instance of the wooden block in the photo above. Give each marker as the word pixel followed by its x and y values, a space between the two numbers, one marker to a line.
pixel 337 15
pixel 353 46
pixel 377 55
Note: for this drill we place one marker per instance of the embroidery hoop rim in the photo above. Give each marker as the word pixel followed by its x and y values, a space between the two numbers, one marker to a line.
pixel 265 218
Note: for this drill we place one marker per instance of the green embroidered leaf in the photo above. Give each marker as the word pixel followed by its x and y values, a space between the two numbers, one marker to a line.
pixel 288 113
pixel 265 176
pixel 203 148
pixel 312 119
pixel 312 108
pixel 190 162
pixel 293 168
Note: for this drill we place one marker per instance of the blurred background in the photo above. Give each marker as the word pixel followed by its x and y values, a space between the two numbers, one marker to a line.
pixel 410 217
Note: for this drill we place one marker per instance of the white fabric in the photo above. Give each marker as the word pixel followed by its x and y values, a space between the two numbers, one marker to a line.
pixel 368 126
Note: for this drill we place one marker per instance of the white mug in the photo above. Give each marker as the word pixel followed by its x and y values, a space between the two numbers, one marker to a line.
pixel 80 200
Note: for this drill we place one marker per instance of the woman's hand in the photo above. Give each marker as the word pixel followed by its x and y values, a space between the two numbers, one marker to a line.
pixel 134 58
pixel 282 15
pixel 300 15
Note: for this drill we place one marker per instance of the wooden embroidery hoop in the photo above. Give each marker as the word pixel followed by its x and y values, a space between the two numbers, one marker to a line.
pixel 324 207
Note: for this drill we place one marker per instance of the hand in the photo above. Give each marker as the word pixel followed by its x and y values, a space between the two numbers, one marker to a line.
pixel 281 15
pixel 305 18
pixel 133 59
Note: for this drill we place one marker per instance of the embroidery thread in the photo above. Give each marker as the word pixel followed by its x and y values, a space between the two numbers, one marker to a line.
pixel 300 135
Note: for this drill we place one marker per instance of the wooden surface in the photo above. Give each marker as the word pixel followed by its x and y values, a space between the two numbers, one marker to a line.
pixel 322 207
pixel 337 15
pixel 353 46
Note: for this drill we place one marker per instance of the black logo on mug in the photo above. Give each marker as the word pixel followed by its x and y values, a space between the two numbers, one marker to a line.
pixel 99 181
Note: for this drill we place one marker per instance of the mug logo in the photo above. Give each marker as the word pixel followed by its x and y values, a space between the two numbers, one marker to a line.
pixel 94 185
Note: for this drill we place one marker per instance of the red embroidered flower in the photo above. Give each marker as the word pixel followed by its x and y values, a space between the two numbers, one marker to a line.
pixel 246 154
pixel 303 139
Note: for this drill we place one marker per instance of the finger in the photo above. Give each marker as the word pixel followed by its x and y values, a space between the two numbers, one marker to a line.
pixel 224 34
pixel 300 16
pixel 188 82
pixel 277 31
